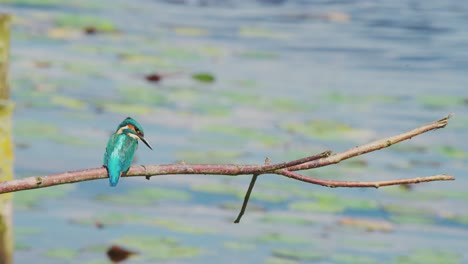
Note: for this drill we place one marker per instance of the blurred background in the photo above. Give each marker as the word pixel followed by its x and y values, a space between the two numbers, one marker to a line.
pixel 221 81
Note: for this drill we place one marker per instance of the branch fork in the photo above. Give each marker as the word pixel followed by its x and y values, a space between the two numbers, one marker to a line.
pixel 286 169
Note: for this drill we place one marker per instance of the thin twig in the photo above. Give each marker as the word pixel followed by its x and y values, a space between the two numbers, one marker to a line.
pixel 375 184
pixel 246 198
pixel 372 146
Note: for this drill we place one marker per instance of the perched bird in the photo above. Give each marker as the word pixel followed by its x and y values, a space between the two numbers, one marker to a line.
pixel 121 148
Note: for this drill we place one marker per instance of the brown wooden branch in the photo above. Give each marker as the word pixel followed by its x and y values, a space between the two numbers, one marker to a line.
pixel 356 151
pixel 284 169
pixel 375 184
pixel 148 171
pixel 372 146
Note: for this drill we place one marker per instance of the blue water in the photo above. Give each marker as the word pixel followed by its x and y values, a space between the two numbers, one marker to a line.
pixel 389 60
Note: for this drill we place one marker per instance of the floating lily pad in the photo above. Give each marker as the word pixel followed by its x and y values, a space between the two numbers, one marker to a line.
pixel 245 133
pixel 332 204
pixel 33 130
pixel 159 248
pixel 241 246
pixel 111 218
pixel 82 21
pixel 280 238
pixel 23 233
pixel 26 231
pixel 429 256
pixel 440 101
pixel 285 105
pixel 141 95
pixel 203 77
pixel 462 219
pixel 406 209
pixel 213 51
pixel 410 215
pixel 183 95
pixel 241 97
pixel 286 219
pixel 67 102
pixel 62 33
pixel 33 198
pixel 62 253
pixel 191 31
pixel 253 32
pixel 353 259
pixel 454 194
pixel 298 254
pixel 336 97
pixel 89 69
pixel 180 53
pixel 327 130
pixel 127 109
pixel 452 152
pixel 412 219
pixel 366 224
pixel 138 61
pixel 213 110
pixel 33 3
pixel 213 157
pixel 180 227
pixel 21 246
pixel 145 196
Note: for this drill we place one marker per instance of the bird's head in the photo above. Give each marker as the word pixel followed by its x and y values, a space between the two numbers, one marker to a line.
pixel 131 128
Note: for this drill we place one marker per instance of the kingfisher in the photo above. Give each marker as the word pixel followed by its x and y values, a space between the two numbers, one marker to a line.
pixel 121 148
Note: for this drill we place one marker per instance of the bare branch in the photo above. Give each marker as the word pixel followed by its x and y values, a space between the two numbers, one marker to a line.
pixel 285 168
pixel 376 184
pixel 372 146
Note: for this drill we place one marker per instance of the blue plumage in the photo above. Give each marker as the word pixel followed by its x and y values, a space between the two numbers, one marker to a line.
pixel 121 148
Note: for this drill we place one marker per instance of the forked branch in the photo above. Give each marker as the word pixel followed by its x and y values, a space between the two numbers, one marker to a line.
pixel 286 169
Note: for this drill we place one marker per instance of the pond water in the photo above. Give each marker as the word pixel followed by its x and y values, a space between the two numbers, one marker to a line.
pixel 291 78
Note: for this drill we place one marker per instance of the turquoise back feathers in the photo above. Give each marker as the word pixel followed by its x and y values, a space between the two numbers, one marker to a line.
pixel 121 148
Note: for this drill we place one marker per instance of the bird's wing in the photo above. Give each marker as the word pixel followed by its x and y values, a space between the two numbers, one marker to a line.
pixel 127 152
pixel 111 144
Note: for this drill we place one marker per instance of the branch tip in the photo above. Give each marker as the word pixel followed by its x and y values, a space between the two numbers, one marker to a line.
pixel 444 120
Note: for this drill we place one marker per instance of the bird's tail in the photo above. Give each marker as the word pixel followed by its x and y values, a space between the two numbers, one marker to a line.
pixel 114 177
pixel 114 171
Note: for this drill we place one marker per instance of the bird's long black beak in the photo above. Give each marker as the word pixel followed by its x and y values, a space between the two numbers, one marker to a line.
pixel 144 141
